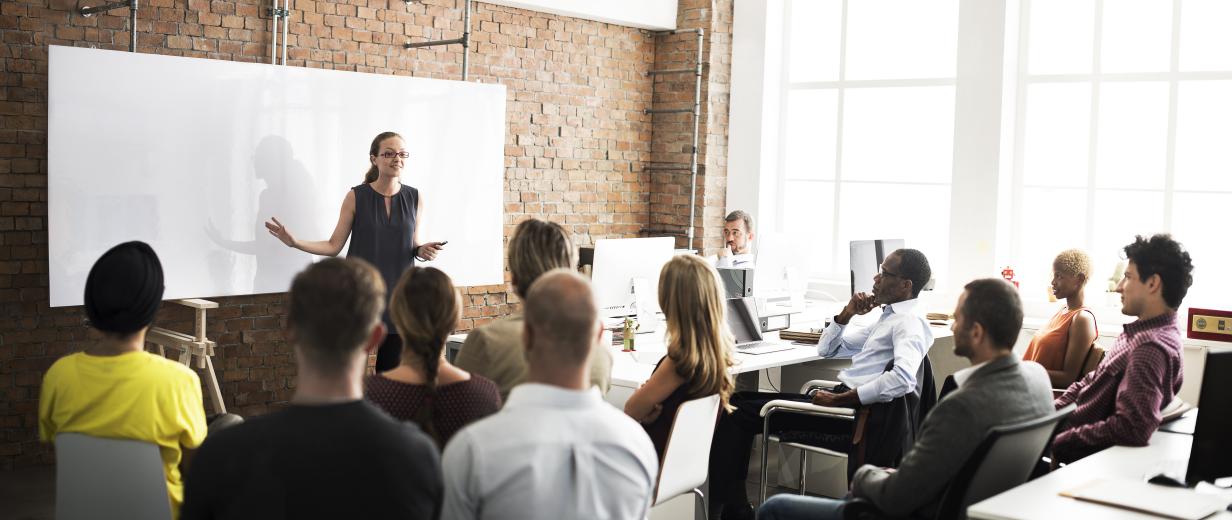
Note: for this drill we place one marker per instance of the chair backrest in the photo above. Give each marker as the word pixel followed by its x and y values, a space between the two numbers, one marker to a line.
pixel 686 457
pixel 1002 461
pixel 109 478
pixel 1095 355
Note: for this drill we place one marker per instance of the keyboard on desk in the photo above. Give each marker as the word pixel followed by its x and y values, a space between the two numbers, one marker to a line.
pixel 762 347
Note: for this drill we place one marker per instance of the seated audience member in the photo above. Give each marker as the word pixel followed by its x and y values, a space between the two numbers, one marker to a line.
pixel 900 336
pixel 1062 345
pixel 330 454
pixel 495 350
pixel 1119 403
pixel 997 389
pixel 115 389
pixel 426 388
pixel 556 450
pixel 737 250
pixel 699 348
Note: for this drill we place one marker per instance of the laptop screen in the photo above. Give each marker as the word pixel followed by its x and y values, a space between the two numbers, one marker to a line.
pixel 742 319
pixel 1210 458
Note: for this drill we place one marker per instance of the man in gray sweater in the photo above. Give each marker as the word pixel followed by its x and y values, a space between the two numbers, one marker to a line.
pixel 997 389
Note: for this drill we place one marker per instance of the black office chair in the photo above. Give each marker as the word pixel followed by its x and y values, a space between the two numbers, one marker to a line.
pixel 1004 460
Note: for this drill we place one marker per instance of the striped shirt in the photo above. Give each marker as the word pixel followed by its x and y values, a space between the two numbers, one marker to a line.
pixel 1119 403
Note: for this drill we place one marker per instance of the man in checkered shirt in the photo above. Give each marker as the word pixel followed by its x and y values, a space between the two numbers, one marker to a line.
pixel 1119 402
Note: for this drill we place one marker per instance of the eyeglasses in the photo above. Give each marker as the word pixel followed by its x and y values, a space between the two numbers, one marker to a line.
pixel 391 155
pixel 881 271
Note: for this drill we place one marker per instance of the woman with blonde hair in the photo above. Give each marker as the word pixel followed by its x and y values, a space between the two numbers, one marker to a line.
pixel 699 348
pixel 1062 344
pixel 425 388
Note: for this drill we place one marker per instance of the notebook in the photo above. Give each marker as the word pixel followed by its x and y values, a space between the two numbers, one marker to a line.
pixel 1135 495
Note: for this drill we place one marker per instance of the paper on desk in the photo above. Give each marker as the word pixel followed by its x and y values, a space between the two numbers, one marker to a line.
pixel 1136 495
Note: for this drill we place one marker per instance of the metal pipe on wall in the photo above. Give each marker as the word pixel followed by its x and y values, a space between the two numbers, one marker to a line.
pixel 697 115
pixel 465 40
pixel 274 33
pixel 132 25
pixel 697 120
pixel 132 17
pixel 286 22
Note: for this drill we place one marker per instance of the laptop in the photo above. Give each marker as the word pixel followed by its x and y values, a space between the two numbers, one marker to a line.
pixel 742 319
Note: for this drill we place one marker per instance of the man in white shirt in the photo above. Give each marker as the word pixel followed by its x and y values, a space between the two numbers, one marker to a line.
pixel 556 450
pixel 737 250
pixel 900 338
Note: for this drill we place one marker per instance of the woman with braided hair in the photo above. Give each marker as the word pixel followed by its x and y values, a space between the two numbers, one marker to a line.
pixel 426 388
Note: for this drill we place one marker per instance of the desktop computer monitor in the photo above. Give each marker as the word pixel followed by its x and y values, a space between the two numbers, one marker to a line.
pixel 620 264
pixel 866 258
pixel 1209 457
pixel 783 263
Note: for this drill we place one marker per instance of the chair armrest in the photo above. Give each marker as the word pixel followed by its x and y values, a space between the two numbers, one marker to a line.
pixel 785 406
pixel 816 384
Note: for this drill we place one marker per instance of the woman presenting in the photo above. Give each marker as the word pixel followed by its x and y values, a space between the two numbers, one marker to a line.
pixel 379 216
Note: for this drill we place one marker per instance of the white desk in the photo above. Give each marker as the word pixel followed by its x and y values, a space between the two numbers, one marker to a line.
pixel 1039 498
pixel 631 369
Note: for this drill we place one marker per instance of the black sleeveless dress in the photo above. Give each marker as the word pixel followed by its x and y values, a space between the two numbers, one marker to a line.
pixel 661 427
pixel 387 242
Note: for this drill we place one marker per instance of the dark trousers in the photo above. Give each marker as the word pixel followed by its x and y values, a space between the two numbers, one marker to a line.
pixel 389 354
pixel 733 440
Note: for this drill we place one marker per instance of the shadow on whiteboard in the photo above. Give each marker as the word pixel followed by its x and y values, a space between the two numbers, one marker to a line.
pixel 288 194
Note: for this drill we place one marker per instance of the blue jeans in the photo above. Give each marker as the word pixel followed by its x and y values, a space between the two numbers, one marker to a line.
pixel 796 507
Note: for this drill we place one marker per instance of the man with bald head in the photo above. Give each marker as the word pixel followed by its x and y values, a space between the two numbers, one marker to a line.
pixel 556 450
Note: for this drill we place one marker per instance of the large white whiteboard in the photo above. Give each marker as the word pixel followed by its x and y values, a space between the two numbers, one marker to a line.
pixel 193 155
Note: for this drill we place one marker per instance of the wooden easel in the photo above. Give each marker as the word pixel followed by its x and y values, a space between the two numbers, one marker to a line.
pixel 192 346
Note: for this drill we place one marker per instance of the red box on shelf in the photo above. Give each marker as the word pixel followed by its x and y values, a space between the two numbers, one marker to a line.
pixel 1210 324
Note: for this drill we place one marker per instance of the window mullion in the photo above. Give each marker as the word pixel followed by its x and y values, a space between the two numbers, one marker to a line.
pixel 1020 110
pixel 1173 88
pixel 838 145
pixel 1093 130
pixel 784 109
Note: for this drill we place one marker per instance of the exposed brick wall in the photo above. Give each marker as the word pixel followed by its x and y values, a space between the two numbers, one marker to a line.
pixel 673 133
pixel 575 144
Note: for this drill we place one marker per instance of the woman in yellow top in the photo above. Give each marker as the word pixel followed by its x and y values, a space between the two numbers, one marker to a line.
pixel 699 348
pixel 117 390
pixel 1062 345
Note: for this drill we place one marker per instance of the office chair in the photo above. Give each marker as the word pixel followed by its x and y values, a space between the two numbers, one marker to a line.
pixel 1003 460
pixel 109 478
pixel 686 457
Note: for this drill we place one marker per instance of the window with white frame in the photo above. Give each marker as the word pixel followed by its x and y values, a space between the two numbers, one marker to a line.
pixel 867 126
pixel 1123 126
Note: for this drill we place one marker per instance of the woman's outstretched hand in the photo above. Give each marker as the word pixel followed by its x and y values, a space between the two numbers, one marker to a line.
pixel 279 231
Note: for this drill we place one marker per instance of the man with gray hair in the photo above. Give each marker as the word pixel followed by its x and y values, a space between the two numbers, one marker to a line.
pixel 737 250
pixel 556 450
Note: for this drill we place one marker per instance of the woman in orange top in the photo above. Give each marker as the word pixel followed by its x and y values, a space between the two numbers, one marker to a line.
pixel 1062 345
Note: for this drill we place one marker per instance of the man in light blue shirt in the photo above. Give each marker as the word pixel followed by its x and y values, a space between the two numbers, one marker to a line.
pixel 900 334
pixel 885 364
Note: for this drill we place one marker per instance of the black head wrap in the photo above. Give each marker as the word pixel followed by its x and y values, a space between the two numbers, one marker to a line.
pixel 124 288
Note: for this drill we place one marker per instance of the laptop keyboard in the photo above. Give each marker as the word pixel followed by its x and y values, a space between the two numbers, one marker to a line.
pixel 755 344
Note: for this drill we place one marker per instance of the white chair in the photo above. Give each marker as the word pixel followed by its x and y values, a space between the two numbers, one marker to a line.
pixel 686 457
pixel 99 478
